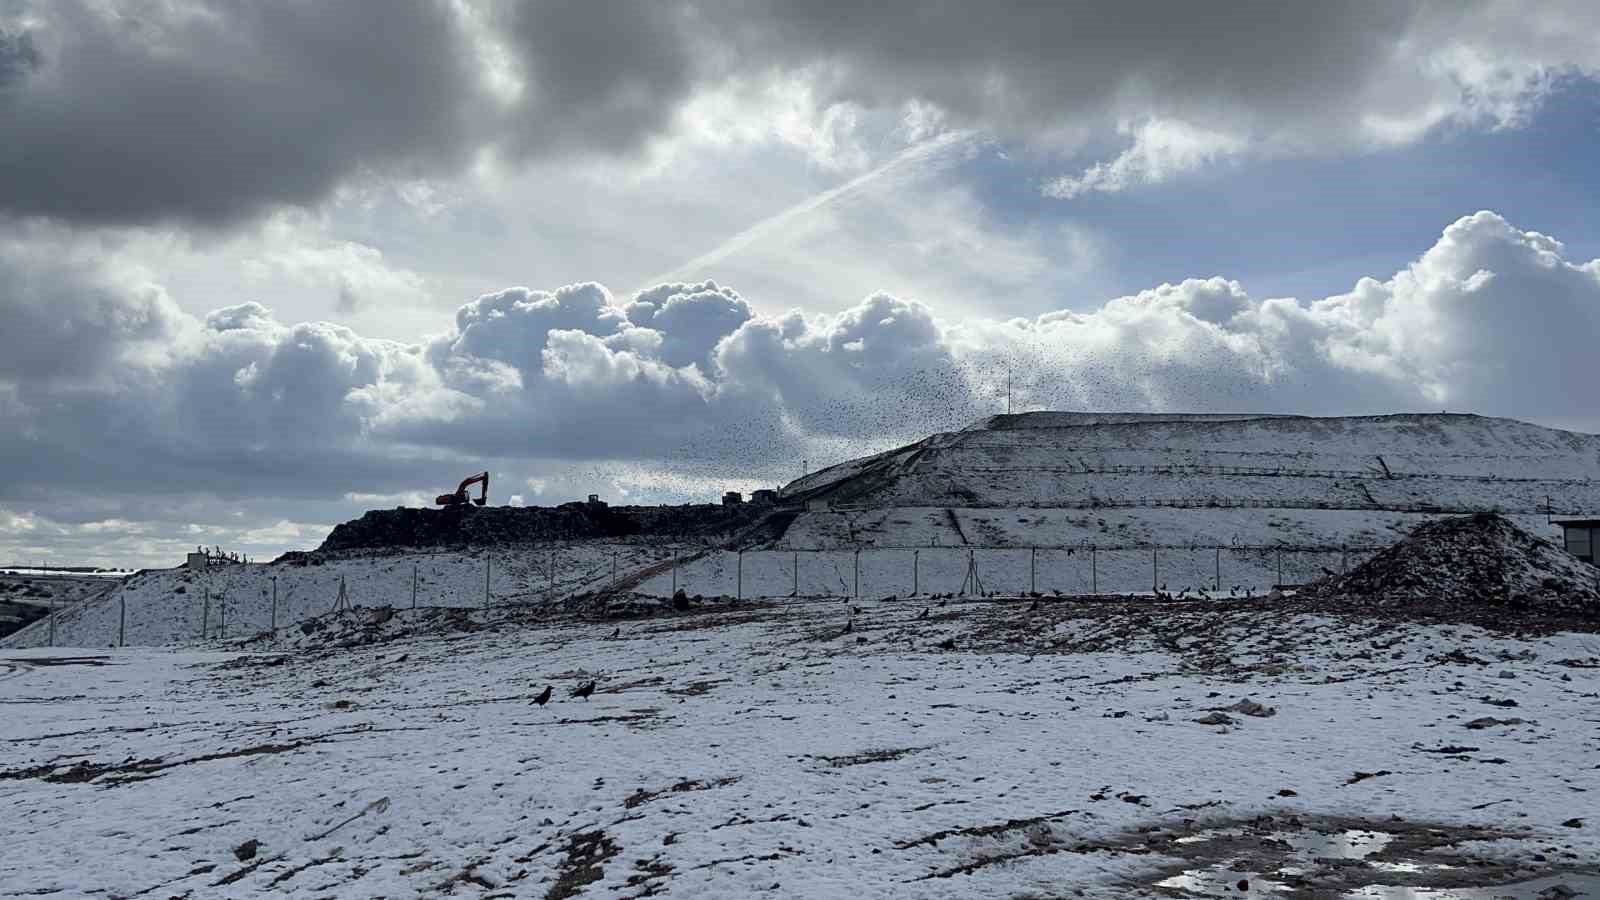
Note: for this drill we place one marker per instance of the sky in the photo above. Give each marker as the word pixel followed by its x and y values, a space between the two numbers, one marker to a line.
pixel 266 266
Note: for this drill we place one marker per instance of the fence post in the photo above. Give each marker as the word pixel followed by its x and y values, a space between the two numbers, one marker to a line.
pixel 858 573
pixel 1033 570
pixel 740 590
pixel 122 622
pixel 613 566
pixel 1094 570
pixel 916 587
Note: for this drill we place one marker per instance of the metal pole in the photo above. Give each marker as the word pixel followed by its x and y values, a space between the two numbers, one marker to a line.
pixel 1033 570
pixel 613 565
pixel 1094 570
pixel 915 587
pixel 858 573
pixel 1280 566
pixel 740 594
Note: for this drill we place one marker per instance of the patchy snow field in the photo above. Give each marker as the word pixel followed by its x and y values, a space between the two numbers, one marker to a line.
pixel 806 749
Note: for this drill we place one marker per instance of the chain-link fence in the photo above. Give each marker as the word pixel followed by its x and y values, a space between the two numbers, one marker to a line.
pixel 240 600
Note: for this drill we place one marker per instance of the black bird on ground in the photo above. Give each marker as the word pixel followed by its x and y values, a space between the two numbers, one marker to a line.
pixel 584 691
pixel 618 632
pixel 947 644
pixel 544 696
pixel 923 614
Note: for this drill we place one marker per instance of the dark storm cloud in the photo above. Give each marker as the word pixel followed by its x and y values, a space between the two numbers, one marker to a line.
pixel 210 110
pixel 18 56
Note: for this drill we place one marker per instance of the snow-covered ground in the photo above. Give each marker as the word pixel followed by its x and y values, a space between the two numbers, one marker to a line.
pixel 811 749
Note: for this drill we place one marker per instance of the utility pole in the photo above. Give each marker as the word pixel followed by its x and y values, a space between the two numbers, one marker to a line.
pixel 915 587
pixel 674 574
pixel 1008 392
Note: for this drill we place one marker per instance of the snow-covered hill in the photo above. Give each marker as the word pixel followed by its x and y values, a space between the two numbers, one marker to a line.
pixel 1176 479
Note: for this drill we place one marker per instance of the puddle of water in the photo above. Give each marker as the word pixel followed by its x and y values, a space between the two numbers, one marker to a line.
pixel 1201 837
pixel 1219 882
pixel 1410 868
pixel 1337 845
pixel 1537 889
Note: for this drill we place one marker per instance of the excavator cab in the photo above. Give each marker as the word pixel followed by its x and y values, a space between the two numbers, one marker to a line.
pixel 460 498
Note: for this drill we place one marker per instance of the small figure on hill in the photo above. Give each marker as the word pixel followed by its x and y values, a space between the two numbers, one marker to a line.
pixel 923 614
pixel 544 696
pixel 584 691
pixel 617 633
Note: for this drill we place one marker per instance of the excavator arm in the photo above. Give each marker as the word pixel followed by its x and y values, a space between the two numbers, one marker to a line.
pixel 460 496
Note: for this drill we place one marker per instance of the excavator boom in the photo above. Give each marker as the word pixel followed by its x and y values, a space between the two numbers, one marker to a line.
pixel 460 496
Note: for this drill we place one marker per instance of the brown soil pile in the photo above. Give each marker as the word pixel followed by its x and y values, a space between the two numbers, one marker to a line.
pixel 1480 561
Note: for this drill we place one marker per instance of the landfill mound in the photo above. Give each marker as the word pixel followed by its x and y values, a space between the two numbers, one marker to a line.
pixel 464 526
pixel 1475 561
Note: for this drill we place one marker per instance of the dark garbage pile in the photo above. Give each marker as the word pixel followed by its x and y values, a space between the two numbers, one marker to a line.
pixel 1481 563
pixel 467 526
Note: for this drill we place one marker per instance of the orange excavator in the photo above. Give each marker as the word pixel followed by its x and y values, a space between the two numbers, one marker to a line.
pixel 460 496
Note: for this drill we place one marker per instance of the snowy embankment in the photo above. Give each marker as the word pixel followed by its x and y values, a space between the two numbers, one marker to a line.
pixel 810 749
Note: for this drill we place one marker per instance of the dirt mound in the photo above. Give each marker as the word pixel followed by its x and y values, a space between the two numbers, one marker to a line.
pixel 388 529
pixel 1480 560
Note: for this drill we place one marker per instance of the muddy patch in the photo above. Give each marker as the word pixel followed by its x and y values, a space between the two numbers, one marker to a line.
pixel 1304 857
